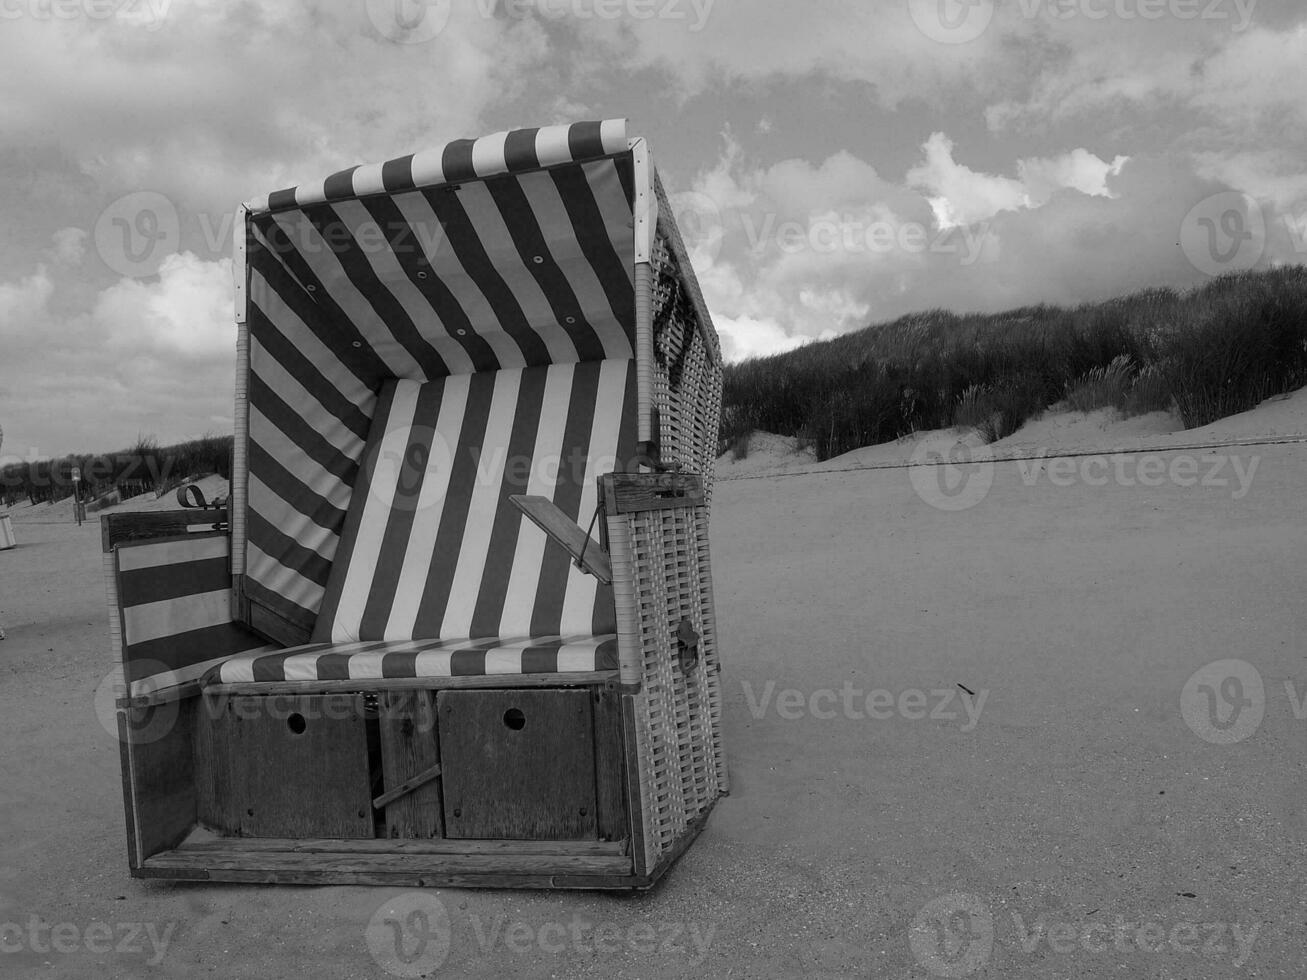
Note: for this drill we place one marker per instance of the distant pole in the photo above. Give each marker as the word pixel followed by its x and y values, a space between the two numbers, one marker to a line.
pixel 77 494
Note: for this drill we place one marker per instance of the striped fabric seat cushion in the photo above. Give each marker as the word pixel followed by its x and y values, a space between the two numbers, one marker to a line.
pixel 174 597
pixel 413 659
pixel 432 548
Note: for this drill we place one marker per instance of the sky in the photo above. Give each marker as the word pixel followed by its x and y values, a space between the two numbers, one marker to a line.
pixel 833 163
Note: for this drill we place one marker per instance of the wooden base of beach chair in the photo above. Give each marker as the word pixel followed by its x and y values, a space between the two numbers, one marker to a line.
pixel 497 787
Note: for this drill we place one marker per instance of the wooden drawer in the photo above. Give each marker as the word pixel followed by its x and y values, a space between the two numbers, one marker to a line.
pixel 518 764
pixel 284 766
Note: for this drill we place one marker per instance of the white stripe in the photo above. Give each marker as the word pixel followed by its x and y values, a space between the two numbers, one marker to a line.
pixel 430 507
pixel 579 604
pixel 483 507
pixel 388 269
pixel 428 167
pixel 503 661
pixel 553 145
pixel 326 265
pixel 579 658
pixel 613 134
pixel 433 664
pixel 367 180
pixel 528 560
pixel 303 666
pixel 134 557
pixel 443 258
pixel 314 192
pixel 169 617
pixel 376 514
pixel 488 155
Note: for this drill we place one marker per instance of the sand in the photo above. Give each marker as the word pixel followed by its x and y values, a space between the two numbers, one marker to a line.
pixel 1076 793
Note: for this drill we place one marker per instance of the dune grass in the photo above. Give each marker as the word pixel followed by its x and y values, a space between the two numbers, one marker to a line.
pixel 146 467
pixel 1205 354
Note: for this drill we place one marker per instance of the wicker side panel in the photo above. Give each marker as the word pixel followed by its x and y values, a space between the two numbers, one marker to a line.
pixel 687 368
pixel 678 712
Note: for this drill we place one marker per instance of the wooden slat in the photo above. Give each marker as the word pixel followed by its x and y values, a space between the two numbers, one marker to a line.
pixel 477 681
pixel 215 752
pixel 403 879
pixel 162 779
pixel 585 551
pixel 354 863
pixel 610 789
pixel 410 748
pixel 118 528
pixel 632 493
pixel 505 848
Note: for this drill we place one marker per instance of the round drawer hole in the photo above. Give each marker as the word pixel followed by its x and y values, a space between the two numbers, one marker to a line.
pixel 296 724
pixel 514 719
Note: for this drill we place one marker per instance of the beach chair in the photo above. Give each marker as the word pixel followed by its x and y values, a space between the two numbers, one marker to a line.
pixel 455 626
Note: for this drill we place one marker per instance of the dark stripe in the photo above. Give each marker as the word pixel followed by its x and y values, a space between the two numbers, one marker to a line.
pixel 291 489
pixel 456 162
pixel 286 271
pixel 270 668
pixel 591 229
pixel 279 200
pixel 453 519
pixel 467 663
pixel 333 667
pixel 339 185
pixel 397 175
pixel 585 139
pixel 289 552
pixel 350 531
pixel 606 656
pixel 299 431
pixel 520 150
pixel 404 243
pixel 605 610
pixel 462 237
pixel 400 665
pixel 173 581
pixel 547 616
pixel 541 659
pixel 625 164
pixel 187 649
pixel 502 547
pixel 531 244
pixel 399 528
pixel 276 345
pixel 295 614
pixel 349 253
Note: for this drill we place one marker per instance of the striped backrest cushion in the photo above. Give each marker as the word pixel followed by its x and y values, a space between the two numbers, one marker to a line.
pixel 175 600
pixel 432 548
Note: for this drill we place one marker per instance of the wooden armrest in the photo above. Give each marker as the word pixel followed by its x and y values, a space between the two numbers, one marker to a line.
pixel 585 551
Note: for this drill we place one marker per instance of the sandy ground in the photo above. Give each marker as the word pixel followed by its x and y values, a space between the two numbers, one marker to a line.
pixel 1074 818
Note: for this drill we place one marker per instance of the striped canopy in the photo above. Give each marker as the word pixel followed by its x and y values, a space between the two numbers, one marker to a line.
pixel 499 254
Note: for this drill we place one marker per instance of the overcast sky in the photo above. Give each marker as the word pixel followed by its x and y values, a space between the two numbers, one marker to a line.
pixel 835 162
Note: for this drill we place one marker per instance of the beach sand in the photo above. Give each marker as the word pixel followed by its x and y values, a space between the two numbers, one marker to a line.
pixel 1078 793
